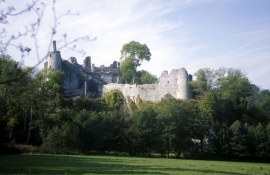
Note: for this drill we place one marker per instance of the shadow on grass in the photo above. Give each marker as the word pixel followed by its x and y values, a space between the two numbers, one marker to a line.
pixel 57 164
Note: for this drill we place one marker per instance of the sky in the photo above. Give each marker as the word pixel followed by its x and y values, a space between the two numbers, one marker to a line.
pixel 192 34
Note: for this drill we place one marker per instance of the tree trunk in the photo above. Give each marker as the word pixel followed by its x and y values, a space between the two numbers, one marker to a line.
pixel 24 121
pixel 10 134
pixel 168 148
pixel 30 123
pixel 202 145
pixel 178 153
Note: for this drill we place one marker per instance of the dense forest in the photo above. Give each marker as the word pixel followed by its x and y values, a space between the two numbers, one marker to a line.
pixel 227 118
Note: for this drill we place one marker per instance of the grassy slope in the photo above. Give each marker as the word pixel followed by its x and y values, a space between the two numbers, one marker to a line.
pixel 60 164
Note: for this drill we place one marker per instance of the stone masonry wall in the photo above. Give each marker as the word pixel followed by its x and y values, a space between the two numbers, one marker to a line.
pixel 86 78
pixel 175 84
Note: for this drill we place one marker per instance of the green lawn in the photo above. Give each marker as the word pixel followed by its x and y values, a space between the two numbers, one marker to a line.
pixel 61 164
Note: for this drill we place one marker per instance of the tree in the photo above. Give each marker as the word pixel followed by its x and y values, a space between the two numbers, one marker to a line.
pixel 142 132
pixel 199 120
pixel 114 99
pixel 225 94
pixel 264 104
pixel 136 53
pixel 91 130
pixel 9 69
pixel 166 124
pixel 265 92
pixel 176 125
pixel 267 130
pixel 64 140
pixel 259 139
pixel 113 125
pixel 142 104
pixel 126 71
pixel 12 102
pixel 205 80
pixel 239 140
pixel 224 136
pixel 144 77
pixel 235 86
pixel 43 99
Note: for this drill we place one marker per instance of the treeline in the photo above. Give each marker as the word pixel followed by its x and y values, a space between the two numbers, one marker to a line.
pixel 228 117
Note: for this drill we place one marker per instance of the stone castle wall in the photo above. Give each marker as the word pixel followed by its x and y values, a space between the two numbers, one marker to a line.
pixel 87 78
pixel 175 84
pixel 108 74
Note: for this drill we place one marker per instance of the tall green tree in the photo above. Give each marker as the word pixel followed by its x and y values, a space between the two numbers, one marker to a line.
pixel 141 134
pixel 224 136
pixel 113 125
pixel 41 100
pixel 12 103
pixel 65 139
pixel 239 140
pixel 136 53
pixel 264 104
pixel 114 99
pixel 177 124
pixel 126 71
pixel 235 86
pixel 200 122
pixel 166 124
pixel 144 77
pixel 91 133
pixel 10 70
pixel 259 139
pixel 205 80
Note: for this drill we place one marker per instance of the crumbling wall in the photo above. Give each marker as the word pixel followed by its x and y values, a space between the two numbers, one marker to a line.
pixel 149 92
pixel 71 70
pixel 87 64
pixel 109 77
pixel 130 90
pixel 80 79
pixel 175 84
pixel 108 74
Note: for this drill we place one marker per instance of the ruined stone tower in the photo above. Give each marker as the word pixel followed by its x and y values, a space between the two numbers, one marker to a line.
pixel 54 59
pixel 87 64
pixel 183 87
pixel 87 78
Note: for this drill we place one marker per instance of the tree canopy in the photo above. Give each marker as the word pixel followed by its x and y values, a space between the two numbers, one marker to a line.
pixel 132 54
pixel 229 118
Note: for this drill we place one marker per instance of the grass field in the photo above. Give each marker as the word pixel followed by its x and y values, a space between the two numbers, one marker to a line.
pixel 64 164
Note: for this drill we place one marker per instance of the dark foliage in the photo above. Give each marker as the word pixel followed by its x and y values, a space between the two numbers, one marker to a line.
pixel 217 125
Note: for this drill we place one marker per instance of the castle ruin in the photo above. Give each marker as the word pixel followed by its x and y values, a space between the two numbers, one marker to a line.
pixel 86 78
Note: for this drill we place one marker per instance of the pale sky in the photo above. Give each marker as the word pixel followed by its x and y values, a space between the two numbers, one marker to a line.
pixel 192 34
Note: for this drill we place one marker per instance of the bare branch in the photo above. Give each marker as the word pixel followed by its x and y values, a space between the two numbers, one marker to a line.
pixel 40 15
pixel 2 33
pixel 67 44
pixel 4 15
pixel 32 30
